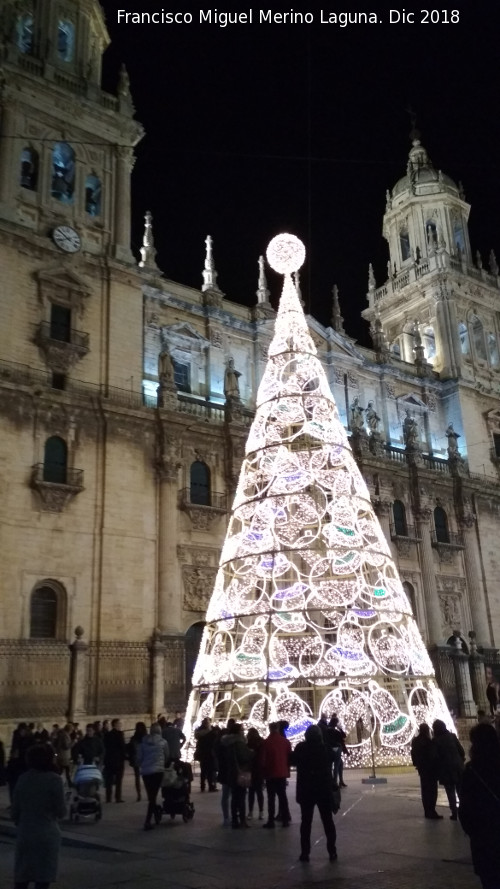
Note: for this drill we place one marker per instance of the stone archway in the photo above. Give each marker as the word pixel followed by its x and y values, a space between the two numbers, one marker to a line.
pixel 192 642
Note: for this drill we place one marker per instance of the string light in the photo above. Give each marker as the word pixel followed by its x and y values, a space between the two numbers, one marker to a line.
pixel 308 615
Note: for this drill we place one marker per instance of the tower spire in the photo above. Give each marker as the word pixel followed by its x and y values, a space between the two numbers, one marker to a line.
pixel 148 252
pixel 337 320
pixel 209 273
pixel 262 292
pixel 308 614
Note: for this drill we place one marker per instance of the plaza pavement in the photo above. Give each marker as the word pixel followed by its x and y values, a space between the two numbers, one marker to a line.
pixel 383 842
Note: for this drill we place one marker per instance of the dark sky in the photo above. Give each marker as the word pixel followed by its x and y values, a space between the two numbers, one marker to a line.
pixel 255 129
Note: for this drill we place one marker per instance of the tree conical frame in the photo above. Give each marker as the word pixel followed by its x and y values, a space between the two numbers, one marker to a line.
pixel 308 615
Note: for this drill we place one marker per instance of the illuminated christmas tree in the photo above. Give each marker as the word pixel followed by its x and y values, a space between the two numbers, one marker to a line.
pixel 308 614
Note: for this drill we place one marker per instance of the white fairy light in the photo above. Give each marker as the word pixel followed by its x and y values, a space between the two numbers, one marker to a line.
pixel 308 613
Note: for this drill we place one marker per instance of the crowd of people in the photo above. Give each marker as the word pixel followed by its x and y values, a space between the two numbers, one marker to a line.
pixel 248 769
pixel 245 766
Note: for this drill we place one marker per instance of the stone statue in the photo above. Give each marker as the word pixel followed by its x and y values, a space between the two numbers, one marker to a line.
pixel 231 381
pixel 411 432
pixel 452 437
pixel 372 418
pixel 166 369
pixel 357 422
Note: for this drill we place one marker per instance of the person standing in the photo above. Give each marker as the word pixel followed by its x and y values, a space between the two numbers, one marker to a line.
pixel 89 749
pixel 336 739
pixel 205 754
pixel 133 753
pixel 450 758
pixel 37 805
pixel 153 757
pixel 313 759
pixel 237 757
pixel 423 757
pixel 256 789
pixel 175 739
pixel 479 811
pixel 275 761
pixel 115 754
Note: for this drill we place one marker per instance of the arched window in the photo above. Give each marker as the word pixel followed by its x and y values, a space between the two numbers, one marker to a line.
pixel 199 483
pixel 429 342
pixel 410 592
pixel 43 613
pixel 441 525
pixel 431 233
pixel 458 236
pixel 24 34
pixel 404 243
pixel 493 349
pixel 29 169
pixel 192 642
pixel 63 172
pixel 463 335
pixel 478 338
pixel 55 460
pixel 399 513
pixel 65 40
pixel 93 195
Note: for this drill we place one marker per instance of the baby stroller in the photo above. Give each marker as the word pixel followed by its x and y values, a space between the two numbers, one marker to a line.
pixel 176 790
pixel 86 802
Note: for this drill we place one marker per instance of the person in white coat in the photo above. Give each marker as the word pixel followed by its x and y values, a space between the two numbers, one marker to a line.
pixel 153 756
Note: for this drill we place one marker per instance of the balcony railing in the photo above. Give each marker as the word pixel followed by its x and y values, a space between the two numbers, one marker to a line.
pixel 71 337
pixel 410 533
pixel 71 478
pixel 436 464
pixel 216 501
pixel 452 539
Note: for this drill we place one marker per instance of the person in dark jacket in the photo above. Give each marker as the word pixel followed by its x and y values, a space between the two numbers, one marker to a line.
pixel 115 754
pixel 450 758
pixel 205 754
pixel 238 758
pixel 336 739
pixel 132 754
pixel 90 749
pixel 22 740
pixel 479 811
pixel 256 789
pixel 423 757
pixel 314 759
pixel 222 756
pixel 37 805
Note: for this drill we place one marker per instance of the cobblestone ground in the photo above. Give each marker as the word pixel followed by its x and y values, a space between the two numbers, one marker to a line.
pixel 383 843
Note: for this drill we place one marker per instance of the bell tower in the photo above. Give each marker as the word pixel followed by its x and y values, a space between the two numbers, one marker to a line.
pixel 426 227
pixel 66 147
pixel 66 157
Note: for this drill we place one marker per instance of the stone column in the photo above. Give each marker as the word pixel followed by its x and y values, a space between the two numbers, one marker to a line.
pixel 477 677
pixel 121 238
pixel 157 650
pixel 474 583
pixel 426 559
pixel 10 148
pixel 77 677
pixel 169 598
pixel 383 511
pixel 466 705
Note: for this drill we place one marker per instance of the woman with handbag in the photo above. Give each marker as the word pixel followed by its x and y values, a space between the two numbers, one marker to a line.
pixel 479 811
pixel 238 757
pixel 313 760
pixel 153 756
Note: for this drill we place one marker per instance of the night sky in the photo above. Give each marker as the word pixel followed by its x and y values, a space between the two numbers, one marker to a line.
pixel 256 129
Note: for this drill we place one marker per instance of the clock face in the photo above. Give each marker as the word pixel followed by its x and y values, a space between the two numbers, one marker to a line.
pixel 66 238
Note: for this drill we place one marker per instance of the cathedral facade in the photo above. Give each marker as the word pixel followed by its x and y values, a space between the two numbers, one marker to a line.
pixel 126 398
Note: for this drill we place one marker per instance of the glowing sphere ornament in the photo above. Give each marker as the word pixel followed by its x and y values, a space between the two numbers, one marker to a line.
pixel 308 615
pixel 286 254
